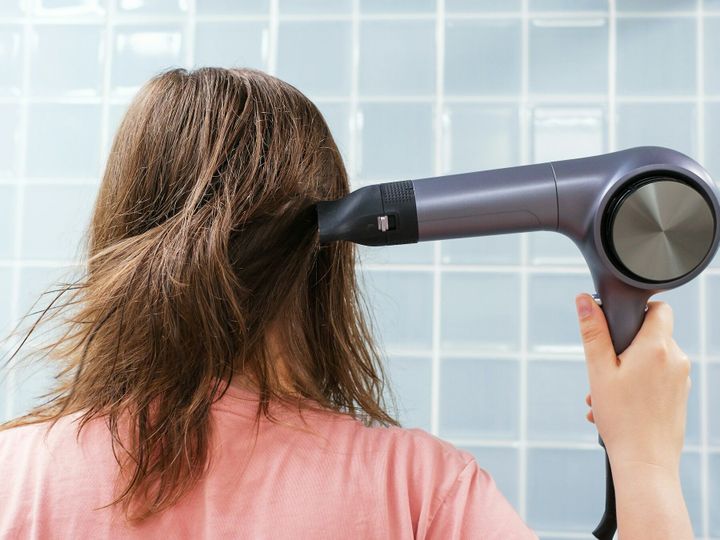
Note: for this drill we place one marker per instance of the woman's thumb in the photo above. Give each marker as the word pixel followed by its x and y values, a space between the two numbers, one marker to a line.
pixel 595 335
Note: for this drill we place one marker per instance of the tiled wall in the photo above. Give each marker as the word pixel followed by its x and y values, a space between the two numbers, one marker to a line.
pixel 480 334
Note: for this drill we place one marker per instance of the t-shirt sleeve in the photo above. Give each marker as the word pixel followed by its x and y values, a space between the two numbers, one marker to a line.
pixel 475 508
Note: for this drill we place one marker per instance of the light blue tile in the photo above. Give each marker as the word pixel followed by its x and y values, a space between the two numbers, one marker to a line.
pixel 397 6
pixel 67 60
pixel 643 124
pixel 396 141
pixel 39 286
pixel 501 249
pixel 401 305
pixel 54 220
pixel 711 6
pixel 552 320
pixel 316 56
pixel 152 7
pixel 420 253
pixel 397 58
pixel 566 489
pixel 233 7
pixel 479 137
pixel 712 64
pixel 652 49
pixel 323 7
pixel 12 7
pixel 479 398
pixel 11 54
pixel 551 248
pixel 568 5
pixel 483 57
pixel 411 382
pixel 691 480
pixel 713 403
pixel 568 56
pixel 6 303
pixel 337 117
pixel 232 44
pixel 69 8
pixel 713 309
pixel 656 5
pixel 503 466
pixel 8 214
pixel 9 140
pixel 714 494
pixel 116 113
pixel 480 311
pixel 567 132
pixel 65 141
pixel 692 426
pixel 685 303
pixel 30 384
pixel 142 51
pixel 712 139
pixel 467 6
pixel 556 401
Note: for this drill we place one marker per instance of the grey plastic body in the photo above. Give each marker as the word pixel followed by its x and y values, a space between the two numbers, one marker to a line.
pixel 570 197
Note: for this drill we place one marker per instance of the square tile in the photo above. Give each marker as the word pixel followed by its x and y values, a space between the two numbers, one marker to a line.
pixel 713 404
pixel 480 137
pixel 307 7
pixel 66 8
pixel 65 141
pixel 316 56
pixel 30 384
pixel 142 51
pixel 116 113
pixel 152 7
pixel 11 58
pixel 713 312
pixel 337 117
pixel 552 320
pixel 9 140
pixel 39 286
pixel 479 398
pixel 8 223
pixel 565 489
pixel 420 253
pixel 714 494
pixel 712 45
pixel 397 58
pixel 396 141
pixel 401 305
pixel 7 291
pixel 647 124
pixel 468 6
pixel 656 5
pixel 551 248
pixel 568 56
pixel 67 60
pixel 232 44
pixel 501 249
pixel 483 57
pixel 411 380
pixel 568 5
pixel 397 6
pixel 685 303
pixel 691 480
pixel 12 7
pixel 556 401
pixel 480 311
pixel 649 49
pixel 233 7
pixel 567 132
pixel 55 217
pixel 503 465
pixel 712 139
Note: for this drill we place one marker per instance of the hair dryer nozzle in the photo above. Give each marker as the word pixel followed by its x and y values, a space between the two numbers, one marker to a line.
pixel 376 215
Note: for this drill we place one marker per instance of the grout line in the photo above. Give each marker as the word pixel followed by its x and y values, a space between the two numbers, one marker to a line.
pixel 437 246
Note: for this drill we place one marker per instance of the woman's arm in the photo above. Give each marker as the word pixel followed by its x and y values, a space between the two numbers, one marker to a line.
pixel 639 403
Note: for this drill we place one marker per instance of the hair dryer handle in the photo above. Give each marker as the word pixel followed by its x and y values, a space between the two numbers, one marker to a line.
pixel 624 309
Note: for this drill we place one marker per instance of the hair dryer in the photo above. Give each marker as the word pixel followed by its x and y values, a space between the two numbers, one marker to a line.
pixel 645 219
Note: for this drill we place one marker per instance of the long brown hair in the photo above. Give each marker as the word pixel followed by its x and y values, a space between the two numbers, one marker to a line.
pixel 203 238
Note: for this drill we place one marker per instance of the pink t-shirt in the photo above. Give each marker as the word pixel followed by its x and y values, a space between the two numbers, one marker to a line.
pixel 344 480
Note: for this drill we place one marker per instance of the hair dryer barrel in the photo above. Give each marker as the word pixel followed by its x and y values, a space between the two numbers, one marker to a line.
pixel 515 199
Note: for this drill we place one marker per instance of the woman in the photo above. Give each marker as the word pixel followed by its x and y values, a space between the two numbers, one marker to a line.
pixel 218 379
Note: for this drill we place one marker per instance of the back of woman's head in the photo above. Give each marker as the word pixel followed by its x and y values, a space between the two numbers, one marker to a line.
pixel 203 242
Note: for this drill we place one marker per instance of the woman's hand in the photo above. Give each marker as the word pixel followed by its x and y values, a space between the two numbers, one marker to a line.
pixel 639 404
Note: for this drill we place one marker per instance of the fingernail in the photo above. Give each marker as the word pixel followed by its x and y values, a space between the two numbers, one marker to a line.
pixel 584 306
